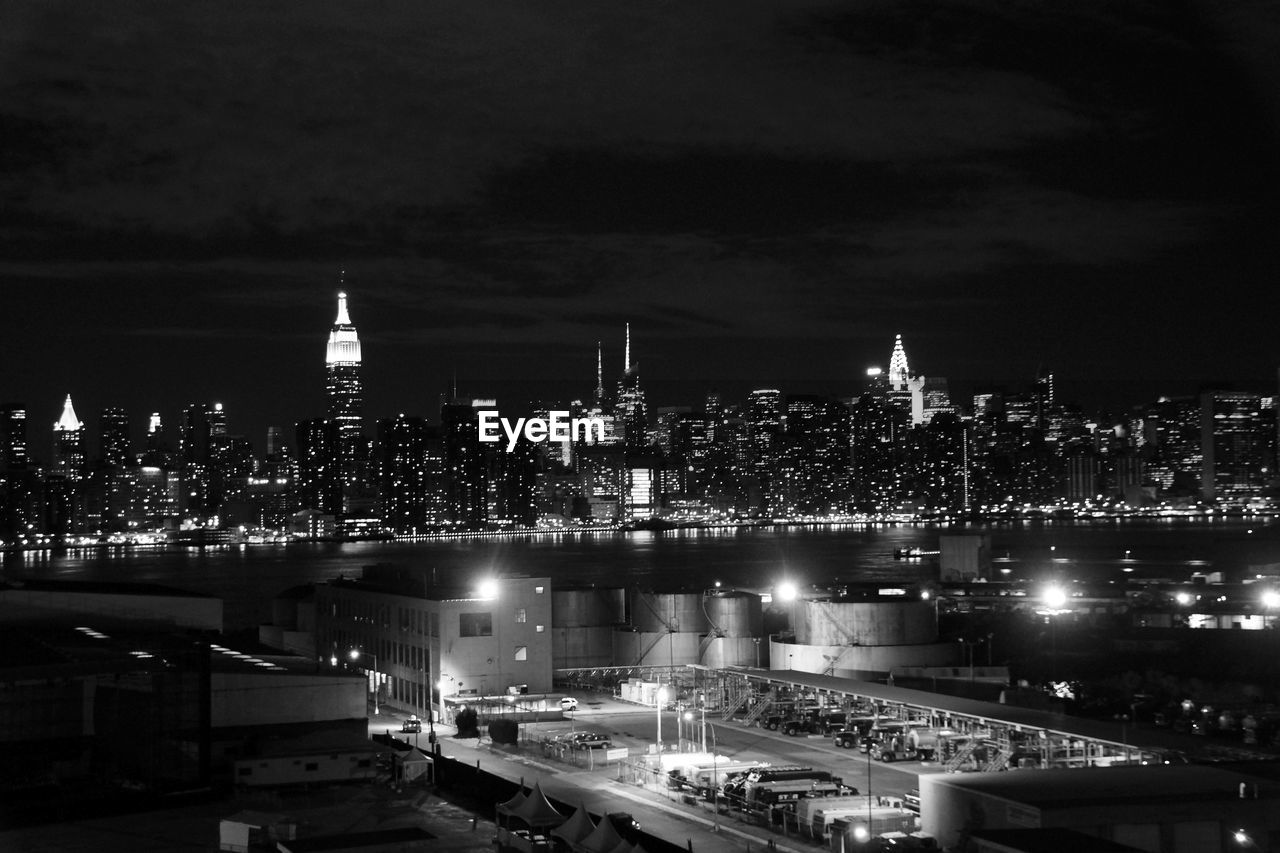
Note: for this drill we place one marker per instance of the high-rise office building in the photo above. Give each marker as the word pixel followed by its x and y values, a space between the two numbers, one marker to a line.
pixel 18 486
pixel 68 442
pixel 1232 445
pixel 319 483
pixel 13 437
pixel 346 396
pixel 465 466
pixel 114 445
pixel 1175 458
pixel 903 393
pixel 764 422
pixel 629 408
pixel 405 466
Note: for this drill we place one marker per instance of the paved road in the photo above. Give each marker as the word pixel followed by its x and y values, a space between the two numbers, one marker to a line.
pixel 663 814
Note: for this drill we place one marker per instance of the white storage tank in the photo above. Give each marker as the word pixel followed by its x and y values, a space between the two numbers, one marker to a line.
pixel 734 651
pixel 644 648
pixel 574 648
pixel 658 612
pixel 735 614
pixel 586 608
pixel 884 622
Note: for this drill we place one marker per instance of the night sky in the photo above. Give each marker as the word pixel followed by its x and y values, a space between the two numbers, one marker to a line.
pixel 767 191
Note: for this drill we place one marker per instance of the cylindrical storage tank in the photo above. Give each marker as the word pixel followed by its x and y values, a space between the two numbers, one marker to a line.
pixel 666 611
pixel 735 614
pixel 892 622
pixel 573 648
pixel 642 648
pixel 583 608
pixel 734 651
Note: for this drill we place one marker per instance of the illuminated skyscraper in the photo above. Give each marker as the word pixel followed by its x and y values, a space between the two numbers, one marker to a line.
pixel 114 446
pixel 346 397
pixel 13 437
pixel 764 421
pixel 898 370
pixel 68 442
pixel 629 409
pixel 1232 445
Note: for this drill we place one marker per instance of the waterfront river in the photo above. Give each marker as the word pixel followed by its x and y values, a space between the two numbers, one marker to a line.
pixel 247 577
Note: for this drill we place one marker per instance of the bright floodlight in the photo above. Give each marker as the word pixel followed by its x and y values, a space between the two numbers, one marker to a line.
pixel 1240 836
pixel 860 833
pixel 1055 597
pixel 787 591
pixel 354 654
pixel 488 588
pixel 1271 598
pixel 1183 598
pixel 662 695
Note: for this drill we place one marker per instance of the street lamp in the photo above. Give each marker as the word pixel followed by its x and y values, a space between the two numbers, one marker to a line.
pixel 715 767
pixel 355 655
pixel 661 700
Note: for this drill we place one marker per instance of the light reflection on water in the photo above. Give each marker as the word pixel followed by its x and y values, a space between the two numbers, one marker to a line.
pixel 247 577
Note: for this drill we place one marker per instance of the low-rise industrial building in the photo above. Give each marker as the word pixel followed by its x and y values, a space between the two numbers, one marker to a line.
pixel 1157 808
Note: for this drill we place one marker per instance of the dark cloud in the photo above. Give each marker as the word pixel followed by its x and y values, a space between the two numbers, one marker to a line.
pixel 768 191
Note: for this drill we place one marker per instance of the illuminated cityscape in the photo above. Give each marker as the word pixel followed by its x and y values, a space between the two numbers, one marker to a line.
pixel 918 362
pixel 898 447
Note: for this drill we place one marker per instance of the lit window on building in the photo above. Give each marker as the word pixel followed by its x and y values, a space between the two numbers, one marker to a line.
pixel 538 590
pixel 522 653
pixel 521 615
pixel 539 629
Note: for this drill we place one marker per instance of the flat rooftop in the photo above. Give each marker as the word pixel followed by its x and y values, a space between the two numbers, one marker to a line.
pixel 1110 786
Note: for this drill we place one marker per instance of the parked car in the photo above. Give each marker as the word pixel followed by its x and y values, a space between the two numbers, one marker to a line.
pixel 568 703
pixel 412 725
pixel 588 740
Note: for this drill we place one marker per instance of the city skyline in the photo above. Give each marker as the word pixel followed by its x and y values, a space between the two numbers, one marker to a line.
pixel 251 423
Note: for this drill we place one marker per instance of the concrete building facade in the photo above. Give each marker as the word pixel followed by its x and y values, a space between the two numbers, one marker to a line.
pixel 420 644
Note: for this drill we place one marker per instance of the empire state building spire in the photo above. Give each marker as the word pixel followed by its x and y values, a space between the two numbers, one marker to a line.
pixel 626 357
pixel 342 383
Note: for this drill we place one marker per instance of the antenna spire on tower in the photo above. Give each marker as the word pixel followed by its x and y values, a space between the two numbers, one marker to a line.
pixel 626 358
pixel 599 372
pixel 344 319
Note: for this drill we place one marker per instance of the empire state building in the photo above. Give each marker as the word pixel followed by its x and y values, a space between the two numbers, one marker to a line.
pixel 346 397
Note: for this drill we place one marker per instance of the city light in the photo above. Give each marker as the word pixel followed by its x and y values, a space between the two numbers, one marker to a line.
pixel 1055 597
pixel 786 591
pixel 488 588
pixel 1271 599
